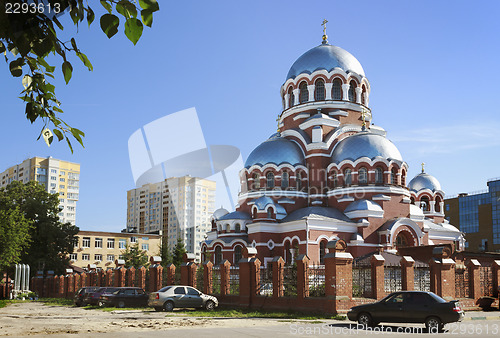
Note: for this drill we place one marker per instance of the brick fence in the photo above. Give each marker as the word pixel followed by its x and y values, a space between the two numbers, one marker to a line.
pixel 328 289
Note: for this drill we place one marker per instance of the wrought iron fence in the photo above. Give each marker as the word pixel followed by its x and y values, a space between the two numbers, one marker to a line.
pixel 216 280
pixel 234 280
pixel 392 278
pixel 361 280
pixel 461 282
pixel 177 276
pixel 266 281
pixel 290 281
pixel 422 279
pixel 199 277
pixel 316 279
pixel 486 280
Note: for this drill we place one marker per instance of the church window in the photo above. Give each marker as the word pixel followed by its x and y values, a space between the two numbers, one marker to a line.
pixel 335 179
pixel 352 91
pixel 218 255
pixel 237 228
pixel 291 97
pixel 379 175
pixel 228 228
pixel 424 203
pixel 237 254
pixel 403 178
pixel 284 180
pixel 322 250
pixel 362 176
pixel 337 89
pixel 401 241
pixel 363 94
pixel 303 92
pixel 270 180
pixel 394 177
pixel 437 206
pixel 269 213
pixel 319 91
pixel 347 177
pixel 299 182
pixel 256 181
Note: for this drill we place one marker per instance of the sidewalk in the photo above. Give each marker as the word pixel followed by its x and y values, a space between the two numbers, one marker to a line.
pixel 483 315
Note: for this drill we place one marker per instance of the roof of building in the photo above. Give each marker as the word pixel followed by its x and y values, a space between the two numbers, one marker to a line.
pixel 391 259
pixel 235 215
pixel 424 181
pixel 276 150
pixel 321 212
pixel 115 234
pixel 363 204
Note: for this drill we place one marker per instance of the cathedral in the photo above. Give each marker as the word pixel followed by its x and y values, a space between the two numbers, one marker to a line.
pixel 328 173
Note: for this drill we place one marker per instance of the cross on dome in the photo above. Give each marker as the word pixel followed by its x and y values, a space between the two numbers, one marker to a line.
pixel 423 165
pixel 325 37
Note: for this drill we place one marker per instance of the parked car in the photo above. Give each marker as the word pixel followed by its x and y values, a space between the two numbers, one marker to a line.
pixel 93 297
pixel 179 296
pixel 82 292
pixel 409 307
pixel 127 296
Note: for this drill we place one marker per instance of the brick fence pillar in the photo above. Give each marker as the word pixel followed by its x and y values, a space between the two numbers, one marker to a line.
pixel 60 286
pixel 407 273
pixel 207 277
pixel 302 276
pixel 443 277
pixel 473 266
pixel 155 277
pixel 249 267
pixel 378 277
pixel 70 285
pixel 338 277
pixel 496 277
pixel 277 265
pixel 225 271
pixel 109 278
pixel 131 276
pixel 78 281
pixel 141 279
pixel 188 270
pixel 170 274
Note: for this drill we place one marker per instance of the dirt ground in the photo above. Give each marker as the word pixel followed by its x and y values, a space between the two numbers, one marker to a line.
pixel 30 318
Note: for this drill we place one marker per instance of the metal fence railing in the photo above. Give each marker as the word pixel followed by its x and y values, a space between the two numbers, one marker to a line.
pixel 392 278
pixel 290 281
pixel 234 280
pixel 422 279
pixel 461 282
pixel 361 280
pixel 316 279
pixel 266 281
pixel 216 280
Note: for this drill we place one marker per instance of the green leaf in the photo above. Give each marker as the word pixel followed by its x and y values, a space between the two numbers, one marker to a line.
pixel 74 15
pixel 27 81
pixel 61 27
pixel 73 43
pixel 126 9
pixel 147 17
pixel 16 67
pixel 67 71
pixel 85 61
pixel 58 133
pixel 90 16
pixel 69 145
pixel 2 47
pixel 109 24
pixel 106 5
pixel 133 29
pixel 149 4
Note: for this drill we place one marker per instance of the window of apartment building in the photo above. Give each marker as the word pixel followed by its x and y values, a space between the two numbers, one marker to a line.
pixel 111 258
pixel 53 185
pixel 145 238
pixel 122 244
pixel 62 179
pixel 121 257
pixel 111 243
pixel 73 257
pixel 86 242
pixel 53 178
pixel 63 173
pixel 133 239
pixel 145 246
pixel 61 186
pixel 98 257
pixel 61 200
pixel 98 243
pixel 85 257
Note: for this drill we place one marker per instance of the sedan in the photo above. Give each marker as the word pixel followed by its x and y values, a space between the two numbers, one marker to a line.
pixel 122 297
pixel 82 293
pixel 93 298
pixel 409 307
pixel 177 296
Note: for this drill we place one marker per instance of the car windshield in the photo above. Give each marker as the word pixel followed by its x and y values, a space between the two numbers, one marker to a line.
pixel 165 289
pixel 437 298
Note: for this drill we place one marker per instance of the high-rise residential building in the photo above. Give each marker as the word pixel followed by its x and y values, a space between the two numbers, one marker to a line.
pixel 478 216
pixel 58 177
pixel 178 207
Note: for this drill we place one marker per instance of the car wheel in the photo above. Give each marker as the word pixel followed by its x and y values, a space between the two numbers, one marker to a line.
pixel 168 306
pixel 433 324
pixel 365 319
pixel 121 304
pixel 100 304
pixel 209 305
pixel 158 309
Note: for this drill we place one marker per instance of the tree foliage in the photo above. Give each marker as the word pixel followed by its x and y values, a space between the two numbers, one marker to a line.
pixel 165 254
pixel 14 236
pixel 51 240
pixel 135 257
pixel 29 34
pixel 179 251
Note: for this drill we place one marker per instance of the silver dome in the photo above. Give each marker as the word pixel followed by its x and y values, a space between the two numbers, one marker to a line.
pixel 219 213
pixel 235 215
pixel 276 150
pixel 363 204
pixel 326 57
pixel 365 144
pixel 424 181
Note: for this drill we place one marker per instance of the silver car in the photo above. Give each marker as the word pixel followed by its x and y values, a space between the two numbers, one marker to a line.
pixel 179 296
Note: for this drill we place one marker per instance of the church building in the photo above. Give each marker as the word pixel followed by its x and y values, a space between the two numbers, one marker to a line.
pixel 328 173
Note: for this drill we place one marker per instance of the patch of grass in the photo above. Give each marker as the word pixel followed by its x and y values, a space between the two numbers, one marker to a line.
pixel 248 313
pixel 110 309
pixel 5 302
pixel 56 301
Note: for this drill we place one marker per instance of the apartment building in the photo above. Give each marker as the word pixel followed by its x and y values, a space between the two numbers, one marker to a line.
pixel 58 177
pixel 104 248
pixel 178 207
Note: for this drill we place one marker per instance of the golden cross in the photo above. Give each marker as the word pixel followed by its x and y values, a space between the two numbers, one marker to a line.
pixel 278 120
pixel 324 26
pixel 423 164
pixel 363 117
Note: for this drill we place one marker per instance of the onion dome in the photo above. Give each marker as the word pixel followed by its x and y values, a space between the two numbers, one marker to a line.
pixel 276 150
pixel 364 208
pixel 262 202
pixel 327 57
pixel 235 215
pixel 424 181
pixel 365 144
pixel 219 213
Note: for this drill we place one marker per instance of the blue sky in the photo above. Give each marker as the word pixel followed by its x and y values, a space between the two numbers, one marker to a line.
pixel 433 69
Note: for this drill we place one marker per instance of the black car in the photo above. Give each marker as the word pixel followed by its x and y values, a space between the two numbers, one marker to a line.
pixel 93 298
pixel 82 292
pixel 409 307
pixel 127 296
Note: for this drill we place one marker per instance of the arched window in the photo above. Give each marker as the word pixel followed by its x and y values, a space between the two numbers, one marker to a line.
pixel 291 97
pixel 394 177
pixel 424 203
pixel 299 181
pixel 254 213
pixel 335 179
pixel 304 93
pixel 437 205
pixel 379 175
pixel 237 254
pixel 228 228
pixel 362 176
pixel 218 255
pixel 237 228
pixel 412 200
pixel 337 89
pixel 401 241
pixel 322 250
pixel 287 253
pixel 352 91
pixel 347 177
pixel 363 94
pixel 319 91
pixel 270 180
pixel 256 181
pixel 403 178
pixel 284 180
pixel 203 254
pixel 269 213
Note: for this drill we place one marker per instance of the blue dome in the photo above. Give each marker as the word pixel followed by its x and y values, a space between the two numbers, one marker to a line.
pixel 424 181
pixel 276 150
pixel 365 144
pixel 325 57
